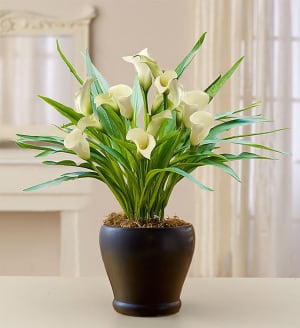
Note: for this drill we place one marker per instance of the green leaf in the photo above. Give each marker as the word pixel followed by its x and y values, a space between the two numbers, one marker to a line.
pixel 23 144
pixel 213 89
pixel 100 85
pixel 48 139
pixel 221 166
pixel 111 122
pixel 253 134
pixel 71 67
pixel 63 178
pixel 136 99
pixel 226 126
pixel 66 111
pixel 229 115
pixel 189 57
pixel 241 142
pixel 64 163
pixel 179 172
pixel 244 155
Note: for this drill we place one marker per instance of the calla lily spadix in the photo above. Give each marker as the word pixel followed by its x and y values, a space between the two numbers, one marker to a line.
pixel 143 71
pixel 191 102
pixel 157 120
pixel 76 141
pixel 201 123
pixel 144 141
pixel 83 103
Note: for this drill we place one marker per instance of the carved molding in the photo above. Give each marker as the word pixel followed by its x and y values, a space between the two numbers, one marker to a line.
pixel 21 22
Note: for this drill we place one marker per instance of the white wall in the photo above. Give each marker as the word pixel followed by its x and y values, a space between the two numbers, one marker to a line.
pixel 123 28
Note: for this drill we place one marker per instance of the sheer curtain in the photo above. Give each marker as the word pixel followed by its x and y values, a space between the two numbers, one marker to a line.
pixel 251 229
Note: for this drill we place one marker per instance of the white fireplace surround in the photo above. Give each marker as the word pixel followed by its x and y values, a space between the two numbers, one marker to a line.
pixel 18 170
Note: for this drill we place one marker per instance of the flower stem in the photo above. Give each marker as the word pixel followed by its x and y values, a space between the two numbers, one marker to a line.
pixel 146 112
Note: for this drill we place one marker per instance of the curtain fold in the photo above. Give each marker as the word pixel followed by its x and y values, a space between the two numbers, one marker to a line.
pixel 243 226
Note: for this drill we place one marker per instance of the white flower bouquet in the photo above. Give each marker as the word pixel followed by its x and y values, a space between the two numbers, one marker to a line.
pixel 141 147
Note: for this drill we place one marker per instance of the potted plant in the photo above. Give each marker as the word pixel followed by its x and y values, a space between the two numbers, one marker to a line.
pixel 141 147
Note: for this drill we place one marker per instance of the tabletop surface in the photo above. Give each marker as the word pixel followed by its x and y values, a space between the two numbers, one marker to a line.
pixel 56 302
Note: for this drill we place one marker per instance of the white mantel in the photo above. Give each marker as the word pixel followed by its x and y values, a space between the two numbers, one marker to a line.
pixel 18 170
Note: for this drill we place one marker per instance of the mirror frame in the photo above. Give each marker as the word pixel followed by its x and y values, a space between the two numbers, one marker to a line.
pixel 25 23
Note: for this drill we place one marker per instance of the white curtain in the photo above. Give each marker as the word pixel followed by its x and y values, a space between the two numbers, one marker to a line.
pixel 251 229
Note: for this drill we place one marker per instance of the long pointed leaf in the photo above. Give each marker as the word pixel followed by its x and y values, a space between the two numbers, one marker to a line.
pixel 100 85
pixel 71 67
pixel 66 111
pixel 213 89
pixel 177 171
pixel 63 178
pixel 189 57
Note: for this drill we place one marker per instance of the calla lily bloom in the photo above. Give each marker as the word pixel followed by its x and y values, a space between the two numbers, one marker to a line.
pixel 173 98
pixel 157 120
pixel 87 121
pixel 122 94
pixel 77 142
pixel 201 123
pixel 162 82
pixel 157 104
pixel 175 94
pixel 143 71
pixel 118 98
pixel 144 141
pixel 192 101
pixel 83 103
pixel 106 99
pixel 145 58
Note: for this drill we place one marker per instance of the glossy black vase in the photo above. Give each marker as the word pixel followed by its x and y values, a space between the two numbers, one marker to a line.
pixel 147 267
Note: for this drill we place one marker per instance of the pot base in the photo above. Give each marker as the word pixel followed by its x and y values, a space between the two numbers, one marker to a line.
pixel 147 310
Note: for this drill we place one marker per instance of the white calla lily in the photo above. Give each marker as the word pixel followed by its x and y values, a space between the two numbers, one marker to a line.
pixel 83 103
pixel 122 95
pixel 106 99
pixel 145 58
pixel 77 142
pixel 88 121
pixel 192 101
pixel 175 94
pixel 144 141
pixel 143 71
pixel 163 81
pixel 157 104
pixel 118 98
pixel 201 123
pixel 157 120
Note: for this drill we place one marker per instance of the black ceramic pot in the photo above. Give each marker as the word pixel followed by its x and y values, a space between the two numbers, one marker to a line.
pixel 147 267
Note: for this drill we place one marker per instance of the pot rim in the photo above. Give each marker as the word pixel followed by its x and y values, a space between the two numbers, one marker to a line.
pixel 189 225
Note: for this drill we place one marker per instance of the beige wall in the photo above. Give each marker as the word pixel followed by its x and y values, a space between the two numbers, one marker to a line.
pixel 120 28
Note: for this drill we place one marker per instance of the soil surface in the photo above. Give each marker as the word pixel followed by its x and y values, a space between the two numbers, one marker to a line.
pixel 121 220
